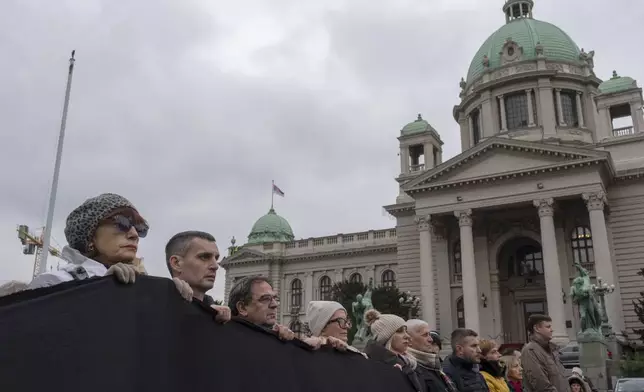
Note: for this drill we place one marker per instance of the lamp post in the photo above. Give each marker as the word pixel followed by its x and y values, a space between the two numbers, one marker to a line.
pixel 600 290
pixel 408 302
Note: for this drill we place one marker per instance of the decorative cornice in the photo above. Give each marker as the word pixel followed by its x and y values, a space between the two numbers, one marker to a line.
pixel 397 210
pixel 573 160
pixel 506 176
pixel 385 248
pixel 464 217
pixel 424 222
pixel 545 207
pixel 595 201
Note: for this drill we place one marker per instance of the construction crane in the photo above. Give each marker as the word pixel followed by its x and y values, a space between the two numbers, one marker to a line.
pixel 33 244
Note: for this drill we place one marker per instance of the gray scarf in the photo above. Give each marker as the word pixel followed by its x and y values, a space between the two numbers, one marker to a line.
pixel 429 360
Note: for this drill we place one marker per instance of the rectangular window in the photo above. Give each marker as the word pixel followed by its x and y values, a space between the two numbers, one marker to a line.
pixel 516 110
pixel 476 129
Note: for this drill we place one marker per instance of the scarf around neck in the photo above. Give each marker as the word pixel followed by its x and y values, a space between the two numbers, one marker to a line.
pixel 429 360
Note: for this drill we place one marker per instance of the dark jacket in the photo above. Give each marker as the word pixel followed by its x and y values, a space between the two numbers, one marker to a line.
pixel 464 374
pixel 430 372
pixel 377 352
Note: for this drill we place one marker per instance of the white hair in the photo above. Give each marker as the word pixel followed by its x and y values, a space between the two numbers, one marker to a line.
pixel 414 324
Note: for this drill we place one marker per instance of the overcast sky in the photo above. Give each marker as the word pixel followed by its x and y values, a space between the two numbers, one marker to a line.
pixel 190 108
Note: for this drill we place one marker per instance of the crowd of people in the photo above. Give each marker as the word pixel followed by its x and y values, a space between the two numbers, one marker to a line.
pixel 103 236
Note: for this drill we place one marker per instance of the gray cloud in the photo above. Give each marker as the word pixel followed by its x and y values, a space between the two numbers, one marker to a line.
pixel 190 109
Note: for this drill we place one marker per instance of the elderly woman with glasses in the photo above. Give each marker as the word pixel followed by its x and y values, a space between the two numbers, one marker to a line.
pixel 103 235
pixel 329 321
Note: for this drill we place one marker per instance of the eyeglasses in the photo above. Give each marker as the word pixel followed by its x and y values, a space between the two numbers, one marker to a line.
pixel 124 224
pixel 342 322
pixel 267 299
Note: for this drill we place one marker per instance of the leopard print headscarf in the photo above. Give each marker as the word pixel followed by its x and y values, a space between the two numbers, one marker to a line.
pixel 84 220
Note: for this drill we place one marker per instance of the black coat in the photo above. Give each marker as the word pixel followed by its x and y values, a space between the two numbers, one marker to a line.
pixel 433 380
pixel 464 375
pixel 377 352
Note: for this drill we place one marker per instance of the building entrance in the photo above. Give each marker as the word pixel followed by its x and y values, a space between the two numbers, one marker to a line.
pixel 522 285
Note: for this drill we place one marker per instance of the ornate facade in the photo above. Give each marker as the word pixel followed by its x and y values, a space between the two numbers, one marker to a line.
pixel 547 177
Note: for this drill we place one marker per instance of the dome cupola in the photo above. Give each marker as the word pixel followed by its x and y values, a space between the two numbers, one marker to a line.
pixel 515 9
pixel 523 38
pixel 270 228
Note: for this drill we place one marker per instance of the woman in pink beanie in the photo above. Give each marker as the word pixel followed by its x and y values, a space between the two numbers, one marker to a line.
pixel 389 344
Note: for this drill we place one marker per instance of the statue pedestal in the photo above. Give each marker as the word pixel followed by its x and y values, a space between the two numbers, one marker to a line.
pixel 593 358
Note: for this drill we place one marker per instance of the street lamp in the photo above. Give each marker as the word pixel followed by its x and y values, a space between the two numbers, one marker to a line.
pixel 409 302
pixel 600 290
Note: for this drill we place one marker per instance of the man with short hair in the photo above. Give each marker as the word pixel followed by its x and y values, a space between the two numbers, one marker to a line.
pixel 542 368
pixel 192 257
pixel 462 365
pixel 253 300
pixel 429 365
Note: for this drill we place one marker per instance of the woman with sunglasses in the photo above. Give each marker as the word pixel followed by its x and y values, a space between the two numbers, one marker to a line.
pixel 103 235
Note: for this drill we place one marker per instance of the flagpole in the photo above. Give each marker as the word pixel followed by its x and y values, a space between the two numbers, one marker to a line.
pixel 54 184
pixel 272 192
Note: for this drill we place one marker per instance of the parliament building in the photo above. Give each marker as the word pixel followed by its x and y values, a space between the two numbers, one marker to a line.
pixel 550 174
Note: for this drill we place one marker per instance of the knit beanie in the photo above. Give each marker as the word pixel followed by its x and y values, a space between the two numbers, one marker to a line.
pixel 383 326
pixel 84 220
pixel 436 338
pixel 319 313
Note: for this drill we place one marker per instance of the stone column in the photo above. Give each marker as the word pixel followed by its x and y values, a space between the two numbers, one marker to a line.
pixel 580 110
pixel 428 301
pixel 552 272
pixel 470 287
pixel 636 117
pixel 308 287
pixel 428 151
pixel 560 116
pixel 495 289
pixel 528 93
pixel 603 260
pixel 370 273
pixel 404 159
pixel 504 120
pixel 338 276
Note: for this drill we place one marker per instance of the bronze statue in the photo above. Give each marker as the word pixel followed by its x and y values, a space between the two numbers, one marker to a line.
pixel 583 295
pixel 359 308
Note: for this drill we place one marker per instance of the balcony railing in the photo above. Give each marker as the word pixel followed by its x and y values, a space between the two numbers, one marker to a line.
pixel 415 168
pixel 374 237
pixel 624 131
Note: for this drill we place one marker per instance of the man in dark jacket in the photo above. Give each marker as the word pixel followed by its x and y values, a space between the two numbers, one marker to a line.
pixel 193 256
pixel 429 365
pixel 462 365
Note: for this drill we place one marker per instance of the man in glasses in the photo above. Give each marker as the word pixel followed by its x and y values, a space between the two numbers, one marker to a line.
pixel 253 300
pixel 192 256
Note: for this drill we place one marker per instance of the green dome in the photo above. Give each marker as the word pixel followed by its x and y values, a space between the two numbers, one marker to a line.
pixel 417 126
pixel 527 33
pixel 616 84
pixel 270 228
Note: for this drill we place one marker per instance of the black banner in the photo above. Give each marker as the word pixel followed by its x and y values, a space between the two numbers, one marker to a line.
pixel 99 335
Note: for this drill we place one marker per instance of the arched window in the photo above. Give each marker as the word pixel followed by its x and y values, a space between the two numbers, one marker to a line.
pixel 457 269
pixel 325 288
pixel 296 293
pixel 388 278
pixel 296 327
pixel 355 278
pixel 460 313
pixel 527 260
pixel 581 241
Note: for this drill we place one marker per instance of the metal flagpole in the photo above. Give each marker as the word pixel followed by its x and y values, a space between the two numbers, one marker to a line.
pixel 54 184
pixel 272 192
